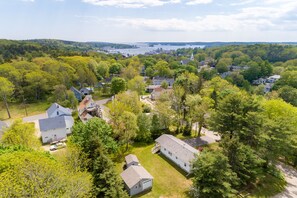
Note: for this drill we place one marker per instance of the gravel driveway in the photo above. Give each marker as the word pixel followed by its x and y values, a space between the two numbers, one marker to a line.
pixel 291 178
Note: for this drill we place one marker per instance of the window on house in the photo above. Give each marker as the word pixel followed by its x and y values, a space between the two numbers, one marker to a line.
pixel 164 149
pixel 57 112
pixel 185 164
pixel 170 153
pixel 176 157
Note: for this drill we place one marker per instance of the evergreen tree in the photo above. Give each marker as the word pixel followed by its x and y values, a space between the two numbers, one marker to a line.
pixel 213 176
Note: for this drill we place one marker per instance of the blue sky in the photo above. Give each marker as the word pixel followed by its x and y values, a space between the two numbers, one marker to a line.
pixel 149 20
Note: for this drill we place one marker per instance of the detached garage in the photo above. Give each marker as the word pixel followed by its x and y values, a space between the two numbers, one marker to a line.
pixel 137 180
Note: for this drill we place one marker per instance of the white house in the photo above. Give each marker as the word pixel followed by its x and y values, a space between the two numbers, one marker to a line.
pixel 177 151
pixel 56 128
pixel 273 79
pixel 57 110
pixel 159 80
pixel 86 90
pixel 137 180
pixel 131 160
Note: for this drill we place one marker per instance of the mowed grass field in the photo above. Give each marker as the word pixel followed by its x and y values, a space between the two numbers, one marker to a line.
pixel 18 110
pixel 169 180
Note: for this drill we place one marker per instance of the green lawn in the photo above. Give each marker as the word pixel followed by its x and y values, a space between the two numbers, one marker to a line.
pixel 169 180
pixel 18 111
pixel 267 186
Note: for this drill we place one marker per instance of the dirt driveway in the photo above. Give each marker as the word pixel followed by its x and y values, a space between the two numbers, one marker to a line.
pixel 291 178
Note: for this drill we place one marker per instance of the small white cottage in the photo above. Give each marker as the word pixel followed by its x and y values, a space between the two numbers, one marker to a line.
pixel 131 160
pixel 137 180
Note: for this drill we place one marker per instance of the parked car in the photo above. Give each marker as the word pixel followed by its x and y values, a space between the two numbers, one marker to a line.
pixel 53 147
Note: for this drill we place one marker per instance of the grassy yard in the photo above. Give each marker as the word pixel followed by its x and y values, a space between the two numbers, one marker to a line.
pixel 18 111
pixel 169 180
pixel 267 186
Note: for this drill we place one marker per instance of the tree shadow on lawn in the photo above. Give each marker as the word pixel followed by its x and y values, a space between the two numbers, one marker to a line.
pixel 120 155
pixel 179 169
pixel 267 186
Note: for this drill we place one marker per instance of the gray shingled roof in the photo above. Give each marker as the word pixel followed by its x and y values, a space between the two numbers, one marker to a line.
pixel 52 123
pixel 178 147
pixel 134 174
pixel 131 158
pixel 55 106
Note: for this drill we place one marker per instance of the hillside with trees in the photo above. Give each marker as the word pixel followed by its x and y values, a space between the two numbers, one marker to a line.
pixel 215 90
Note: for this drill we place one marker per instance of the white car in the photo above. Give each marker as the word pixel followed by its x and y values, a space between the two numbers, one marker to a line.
pixel 53 147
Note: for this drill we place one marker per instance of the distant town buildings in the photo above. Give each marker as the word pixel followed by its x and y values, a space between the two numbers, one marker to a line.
pixel 186 61
pixel 267 82
pixel 159 80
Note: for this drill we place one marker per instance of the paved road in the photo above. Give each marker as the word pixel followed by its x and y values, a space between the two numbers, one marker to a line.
pixel 291 178
pixel 208 138
pixel 104 109
pixel 35 117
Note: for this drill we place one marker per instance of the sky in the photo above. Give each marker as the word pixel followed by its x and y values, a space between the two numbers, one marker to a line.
pixel 150 20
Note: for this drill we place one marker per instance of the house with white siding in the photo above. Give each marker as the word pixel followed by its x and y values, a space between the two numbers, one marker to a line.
pixel 177 151
pixel 57 110
pixel 53 129
pixel 131 160
pixel 137 180
pixel 58 124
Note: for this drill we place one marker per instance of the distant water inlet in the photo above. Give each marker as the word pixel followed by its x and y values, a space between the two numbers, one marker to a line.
pixel 144 48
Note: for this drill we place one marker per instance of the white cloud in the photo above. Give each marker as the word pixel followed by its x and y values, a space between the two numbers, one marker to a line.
pixel 195 2
pixel 143 3
pixel 131 3
pixel 268 15
pixel 247 19
pixel 242 2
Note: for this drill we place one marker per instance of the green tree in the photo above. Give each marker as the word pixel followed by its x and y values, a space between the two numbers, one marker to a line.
pixel 162 69
pixel 213 176
pixel 238 115
pixel 118 85
pixel 128 128
pixel 164 84
pixel 243 160
pixel 129 72
pixel 131 100
pixel 198 109
pixel 36 174
pixel 115 68
pixel 137 84
pixel 107 183
pixel 102 69
pixel 222 65
pixel 22 134
pixel 156 127
pixel 6 90
pixel 288 94
pixel 82 135
pixel 278 135
pixel 144 124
